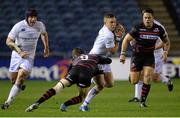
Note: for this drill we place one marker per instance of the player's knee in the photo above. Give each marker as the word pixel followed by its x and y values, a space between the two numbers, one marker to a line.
pixel 23 73
pixel 59 86
pixel 133 81
pixel 19 82
pixel 13 81
pixel 99 87
pixel 155 80
pixel 109 85
pixel 147 78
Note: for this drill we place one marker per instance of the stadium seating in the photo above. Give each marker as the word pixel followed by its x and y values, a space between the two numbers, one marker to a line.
pixel 69 23
pixel 176 4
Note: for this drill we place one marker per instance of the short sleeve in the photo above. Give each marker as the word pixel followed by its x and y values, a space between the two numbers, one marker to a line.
pixel 43 28
pixel 163 33
pixel 134 32
pixel 14 32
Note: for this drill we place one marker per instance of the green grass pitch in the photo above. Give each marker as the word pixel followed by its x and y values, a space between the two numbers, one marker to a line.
pixel 111 102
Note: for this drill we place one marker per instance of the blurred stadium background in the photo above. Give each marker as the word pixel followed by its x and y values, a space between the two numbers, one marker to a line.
pixel 75 23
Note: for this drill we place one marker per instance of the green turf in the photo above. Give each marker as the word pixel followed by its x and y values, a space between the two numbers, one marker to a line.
pixel 110 103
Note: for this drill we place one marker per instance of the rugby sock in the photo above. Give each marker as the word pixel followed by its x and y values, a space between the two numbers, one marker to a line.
pixel 74 100
pixel 22 87
pixel 138 89
pixel 91 94
pixel 51 92
pixel 164 79
pixel 13 92
pixel 145 91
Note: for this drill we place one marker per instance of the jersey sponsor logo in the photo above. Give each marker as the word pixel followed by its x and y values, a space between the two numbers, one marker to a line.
pixel 29 38
pixel 153 37
pixel 142 29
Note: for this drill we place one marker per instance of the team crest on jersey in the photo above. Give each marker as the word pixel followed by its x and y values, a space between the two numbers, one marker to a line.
pixel 156 30
pixel 23 29
pixel 109 42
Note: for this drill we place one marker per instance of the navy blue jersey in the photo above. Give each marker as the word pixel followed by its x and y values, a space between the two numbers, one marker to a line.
pixel 146 38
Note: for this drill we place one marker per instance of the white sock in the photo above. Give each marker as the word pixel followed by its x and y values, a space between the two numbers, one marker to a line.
pixel 13 92
pixel 138 89
pixel 91 94
pixel 164 79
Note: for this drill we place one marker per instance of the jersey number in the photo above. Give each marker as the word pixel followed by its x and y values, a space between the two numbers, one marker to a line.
pixel 84 57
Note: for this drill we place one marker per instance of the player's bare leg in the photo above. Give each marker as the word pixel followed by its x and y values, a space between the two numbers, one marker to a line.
pixel 164 79
pixel 21 76
pixel 108 77
pixel 138 88
pixel 93 92
pixel 13 80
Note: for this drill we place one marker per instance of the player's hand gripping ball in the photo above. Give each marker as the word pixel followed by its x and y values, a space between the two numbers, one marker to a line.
pixel 119 31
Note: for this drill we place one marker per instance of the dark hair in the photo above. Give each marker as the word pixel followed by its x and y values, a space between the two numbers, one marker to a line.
pixel 148 10
pixel 31 12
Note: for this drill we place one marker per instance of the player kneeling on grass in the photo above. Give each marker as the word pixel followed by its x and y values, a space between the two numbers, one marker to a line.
pixel 82 69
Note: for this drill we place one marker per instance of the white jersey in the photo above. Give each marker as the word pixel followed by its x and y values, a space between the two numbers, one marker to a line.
pixel 158 53
pixel 104 40
pixel 26 37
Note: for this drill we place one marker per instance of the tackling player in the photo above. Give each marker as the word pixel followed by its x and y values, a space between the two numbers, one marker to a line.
pixel 83 68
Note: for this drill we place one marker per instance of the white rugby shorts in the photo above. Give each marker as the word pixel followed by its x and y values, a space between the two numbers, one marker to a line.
pixel 158 64
pixel 17 62
pixel 104 67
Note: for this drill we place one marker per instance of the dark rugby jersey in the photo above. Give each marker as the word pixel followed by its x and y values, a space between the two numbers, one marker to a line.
pixel 90 62
pixel 146 38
